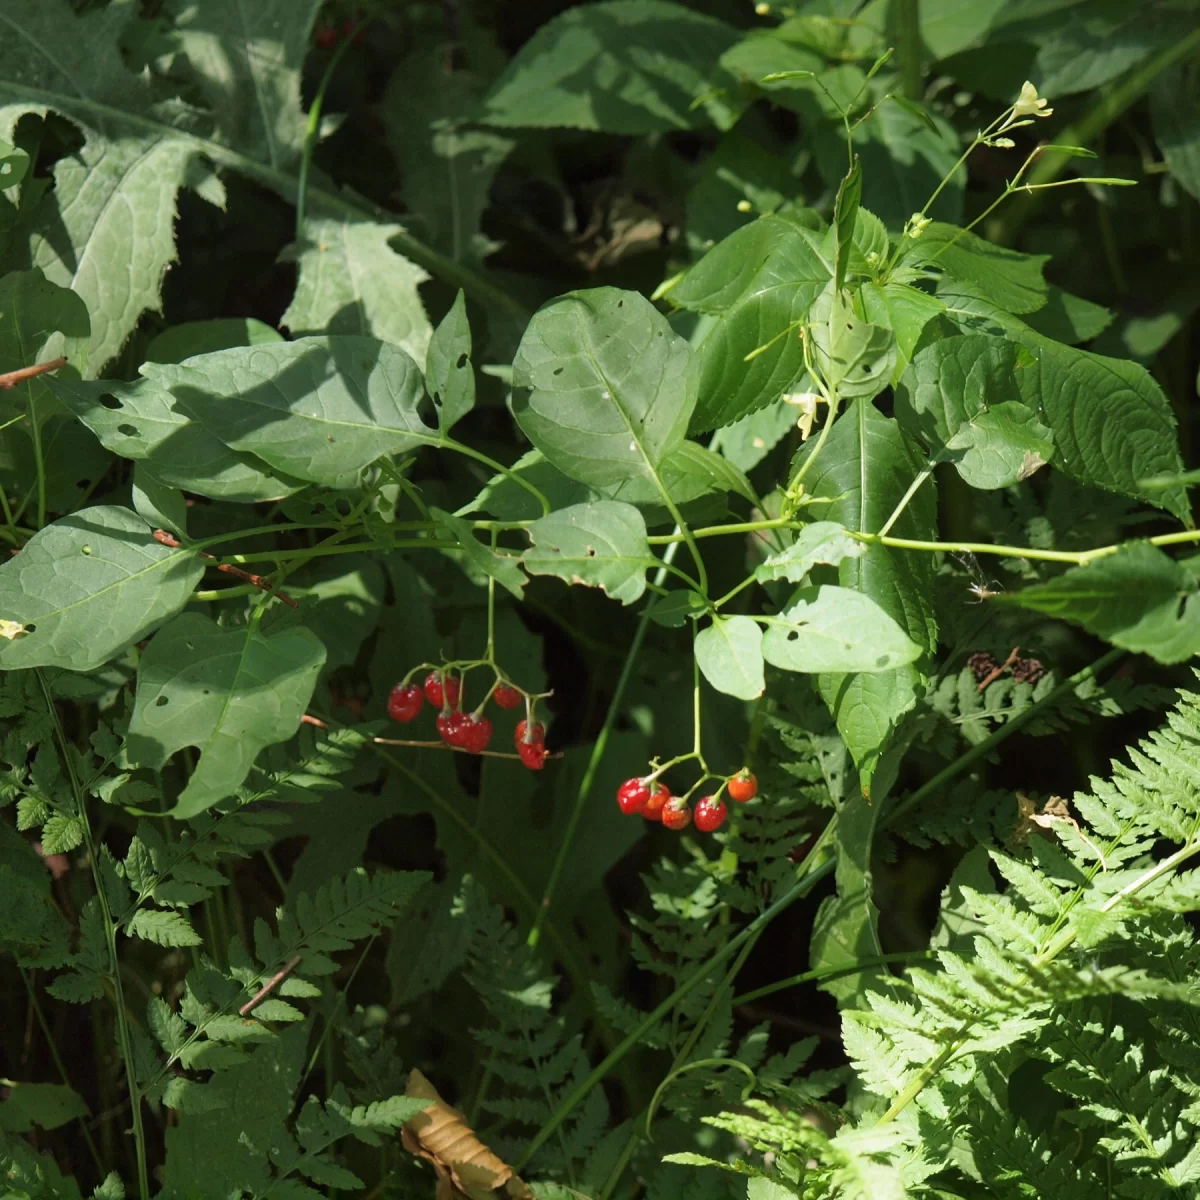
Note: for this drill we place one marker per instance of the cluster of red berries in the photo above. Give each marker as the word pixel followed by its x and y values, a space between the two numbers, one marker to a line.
pixel 469 731
pixel 654 801
pixel 326 37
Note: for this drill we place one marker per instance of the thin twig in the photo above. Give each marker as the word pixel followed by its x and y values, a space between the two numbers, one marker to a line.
pixel 259 581
pixel 10 379
pixel 996 672
pixel 268 987
pixel 309 719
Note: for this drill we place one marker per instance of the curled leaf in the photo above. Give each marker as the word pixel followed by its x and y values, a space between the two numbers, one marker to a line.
pixel 464 1165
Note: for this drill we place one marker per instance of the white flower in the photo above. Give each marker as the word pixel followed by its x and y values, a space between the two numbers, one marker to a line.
pixel 1003 143
pixel 10 630
pixel 807 403
pixel 916 225
pixel 1030 104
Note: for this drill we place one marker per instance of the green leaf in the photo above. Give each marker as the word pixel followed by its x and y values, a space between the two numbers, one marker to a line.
pixel 159 506
pixel 1138 598
pixel 760 283
pixel 621 66
pixel 318 409
pixel 1113 445
pixel 449 372
pixel 602 544
pixel 143 421
pixel 38 321
pixel 730 654
pixel 905 311
pixel 948 26
pixel 836 629
pixel 228 692
pixel 163 928
pixel 957 397
pixel 845 213
pixel 88 586
pixel 61 834
pixel 1175 111
pixel 247 59
pixel 749 440
pixel 604 386
pixel 352 283
pixel 854 357
pixel 821 542
pixel 864 469
pixel 1012 280
pixel 49 1105
pixel 183 341
pixel 1069 319
pixel 502 567
pixel 688 473
pixel 14 164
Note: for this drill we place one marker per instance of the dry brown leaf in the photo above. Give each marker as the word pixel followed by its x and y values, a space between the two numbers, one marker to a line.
pixel 465 1166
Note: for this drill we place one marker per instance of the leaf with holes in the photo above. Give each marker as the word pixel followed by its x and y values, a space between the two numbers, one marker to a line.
pixel 821 542
pixel 502 567
pixel 729 653
pixel 449 372
pixel 836 629
pixel 599 545
pixel 228 692
pixel 88 586
pixel 603 386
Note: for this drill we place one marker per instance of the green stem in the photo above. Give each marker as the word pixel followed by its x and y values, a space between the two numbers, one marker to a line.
pixel 110 940
pixel 908 46
pixel 984 748
pixel 601 744
pixel 826 973
pixel 913 488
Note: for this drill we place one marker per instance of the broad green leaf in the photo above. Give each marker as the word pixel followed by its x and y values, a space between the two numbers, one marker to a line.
pixel 88 586
pixel 1069 319
pixel 602 544
pixel 13 165
pixel 180 342
pixel 1012 280
pixel 948 26
pixel 866 466
pixel 603 386
pixel 836 629
pixel 958 397
pixel 73 462
pixel 673 610
pixel 353 283
pixel 621 66
pixel 449 372
pixel 845 214
pixel 1138 598
pixel 144 422
pixel 821 542
pixel 506 500
pixel 760 282
pixel 49 1105
pixel 1113 444
pixel 1175 111
pixel 247 58
pixel 905 311
pixel 39 321
pixel 228 692
pixel 854 357
pixel 501 566
pixel 748 441
pixel 341 599
pixel 688 473
pixel 730 654
pixel 318 409
pixel 161 507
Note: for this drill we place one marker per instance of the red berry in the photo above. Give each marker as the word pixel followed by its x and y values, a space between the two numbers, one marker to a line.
pixel 474 733
pixel 450 726
pixel 742 786
pixel 531 744
pixel 710 814
pixel 507 696
pixel 632 796
pixel 325 37
pixel 442 690
pixel 659 795
pixel 404 702
pixel 676 814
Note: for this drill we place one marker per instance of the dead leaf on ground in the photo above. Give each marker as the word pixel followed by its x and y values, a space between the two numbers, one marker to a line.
pixel 465 1166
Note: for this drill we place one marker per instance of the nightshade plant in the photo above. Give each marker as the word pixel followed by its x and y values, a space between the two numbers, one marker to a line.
pixel 838 450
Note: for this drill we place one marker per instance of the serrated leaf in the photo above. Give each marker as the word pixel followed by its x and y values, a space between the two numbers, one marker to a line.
pixel 760 283
pixel 228 692
pixel 845 214
pixel 449 372
pixel 904 310
pixel 502 567
pixel 168 1027
pixel 1138 598
pixel 352 283
pixel 664 56
pixel 957 396
pixel 730 655
pixel 142 421
pixel 836 629
pixel 602 544
pixel 162 928
pixel 854 357
pixel 1010 279
pixel 61 834
pixel 1070 319
pixel 603 386
pixel 88 586
pixel 821 542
